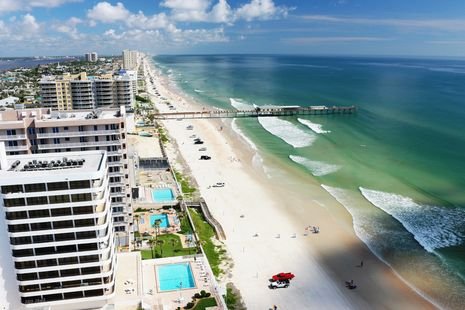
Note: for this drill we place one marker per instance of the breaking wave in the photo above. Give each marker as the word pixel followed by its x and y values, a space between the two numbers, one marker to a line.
pixel 317 128
pixel 317 168
pixel 287 131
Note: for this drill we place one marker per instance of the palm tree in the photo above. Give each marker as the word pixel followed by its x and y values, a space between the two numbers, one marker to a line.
pixel 173 241
pixel 136 218
pixel 152 242
pixel 160 244
pixel 156 225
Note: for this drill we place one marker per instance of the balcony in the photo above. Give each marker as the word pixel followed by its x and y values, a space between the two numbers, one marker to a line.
pixel 12 137
pixel 16 148
pixel 77 144
pixel 77 133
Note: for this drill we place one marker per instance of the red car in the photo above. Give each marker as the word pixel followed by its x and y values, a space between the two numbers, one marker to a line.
pixel 282 276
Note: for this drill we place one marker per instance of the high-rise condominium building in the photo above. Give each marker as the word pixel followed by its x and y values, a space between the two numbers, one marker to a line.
pixel 55 215
pixel 130 59
pixel 91 57
pixel 36 131
pixel 79 91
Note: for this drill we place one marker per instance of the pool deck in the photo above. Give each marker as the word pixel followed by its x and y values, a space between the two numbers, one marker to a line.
pixel 144 222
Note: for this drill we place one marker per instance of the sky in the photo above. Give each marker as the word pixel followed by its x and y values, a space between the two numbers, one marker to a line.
pixel 314 27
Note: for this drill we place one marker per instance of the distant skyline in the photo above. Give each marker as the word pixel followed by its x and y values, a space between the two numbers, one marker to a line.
pixel 314 27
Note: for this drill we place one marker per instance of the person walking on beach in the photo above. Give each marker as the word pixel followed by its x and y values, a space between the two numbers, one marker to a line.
pixel 361 264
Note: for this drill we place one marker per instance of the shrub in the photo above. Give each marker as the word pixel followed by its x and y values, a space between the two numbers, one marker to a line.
pixel 197 295
pixel 203 293
pixel 189 305
pixel 208 295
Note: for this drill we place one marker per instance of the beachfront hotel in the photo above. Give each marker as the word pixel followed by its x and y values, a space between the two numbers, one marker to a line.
pixel 130 59
pixel 80 91
pixel 38 131
pixel 57 240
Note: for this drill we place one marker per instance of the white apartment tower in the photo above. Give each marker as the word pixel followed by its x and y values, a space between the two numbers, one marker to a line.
pixel 91 57
pixel 79 91
pixel 55 209
pixel 38 131
pixel 130 59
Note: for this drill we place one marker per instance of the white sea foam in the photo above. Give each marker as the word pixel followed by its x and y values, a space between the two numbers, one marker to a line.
pixel 313 126
pixel 287 131
pixel 199 91
pixel 317 168
pixel 237 130
pixel 433 227
pixel 239 104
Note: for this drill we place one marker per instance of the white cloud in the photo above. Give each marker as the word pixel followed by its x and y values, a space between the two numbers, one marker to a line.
pixel 29 25
pixel 141 21
pixel 221 12
pixel 107 13
pixel 18 5
pixel 199 5
pixel 438 24
pixel 261 9
pixel 70 28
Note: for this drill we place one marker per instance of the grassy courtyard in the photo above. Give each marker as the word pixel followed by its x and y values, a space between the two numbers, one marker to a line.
pixel 167 246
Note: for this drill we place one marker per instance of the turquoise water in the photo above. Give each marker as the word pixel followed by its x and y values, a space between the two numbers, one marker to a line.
pixel 397 165
pixel 162 217
pixel 162 195
pixel 174 277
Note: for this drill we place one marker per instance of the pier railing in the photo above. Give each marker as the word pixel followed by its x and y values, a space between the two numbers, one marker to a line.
pixel 258 112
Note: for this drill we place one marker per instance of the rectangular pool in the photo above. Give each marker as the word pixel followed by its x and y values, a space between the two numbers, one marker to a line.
pixel 174 277
pixel 162 195
pixel 162 217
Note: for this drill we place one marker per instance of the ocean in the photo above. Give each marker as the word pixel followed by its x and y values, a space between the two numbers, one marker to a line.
pixel 397 165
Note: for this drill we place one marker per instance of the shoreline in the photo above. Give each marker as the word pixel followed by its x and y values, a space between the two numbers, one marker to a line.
pixel 327 259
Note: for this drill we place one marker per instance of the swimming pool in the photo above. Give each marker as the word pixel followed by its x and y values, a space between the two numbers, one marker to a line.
pixel 162 217
pixel 174 277
pixel 162 195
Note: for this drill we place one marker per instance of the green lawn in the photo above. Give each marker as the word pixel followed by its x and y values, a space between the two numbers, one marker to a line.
pixel 206 233
pixel 204 303
pixel 186 188
pixel 167 248
pixel 185 226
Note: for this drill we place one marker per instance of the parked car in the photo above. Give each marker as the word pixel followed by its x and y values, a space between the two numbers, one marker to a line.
pixel 205 157
pixel 198 142
pixel 219 184
pixel 282 276
pixel 202 149
pixel 279 284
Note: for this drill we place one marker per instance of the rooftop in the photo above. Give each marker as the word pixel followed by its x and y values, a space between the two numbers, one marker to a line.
pixel 52 164
pixel 44 114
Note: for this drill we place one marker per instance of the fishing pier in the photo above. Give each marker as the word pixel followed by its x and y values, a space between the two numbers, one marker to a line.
pixel 257 112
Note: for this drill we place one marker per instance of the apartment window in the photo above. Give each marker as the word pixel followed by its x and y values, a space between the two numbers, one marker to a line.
pixel 20 240
pixel 114 126
pixel 43 238
pixel 41 226
pixel 87 247
pixel 68 261
pixel 118 219
pixel 83 139
pixel 45 251
pixel 96 139
pixel 56 186
pixel 65 128
pixel 70 272
pixel 46 263
pixel 59 199
pixel 29 288
pixel 64 237
pixel 89 259
pixel 79 184
pixel 81 197
pixel 56 140
pixel 81 128
pixel 83 210
pixel 14 202
pixel 84 222
pixel 32 188
pixel 66 139
pixel 41 130
pixel 39 213
pixel 85 235
pixel 23 253
pixel 90 270
pixel 63 224
pixel 61 212
pixel 19 215
pixel 33 201
pixel 117 209
pixel 50 286
pixel 95 127
pixel 18 228
pixel 26 276
pixel 25 265
pixel 18 188
pixel 66 248
pixel 71 284
pixel 11 132
pixel 95 281
pixel 93 293
pixel 53 297
pixel 73 295
pixel 107 127
pixel 55 129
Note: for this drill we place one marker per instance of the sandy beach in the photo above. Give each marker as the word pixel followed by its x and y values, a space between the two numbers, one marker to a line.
pixel 266 225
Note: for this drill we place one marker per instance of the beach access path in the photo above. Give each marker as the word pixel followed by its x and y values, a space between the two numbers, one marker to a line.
pixel 250 204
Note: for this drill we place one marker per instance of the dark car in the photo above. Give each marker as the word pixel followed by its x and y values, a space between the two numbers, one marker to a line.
pixel 205 157
pixel 198 142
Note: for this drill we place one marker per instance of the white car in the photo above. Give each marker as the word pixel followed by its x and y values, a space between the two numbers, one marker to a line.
pixel 279 284
pixel 219 184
